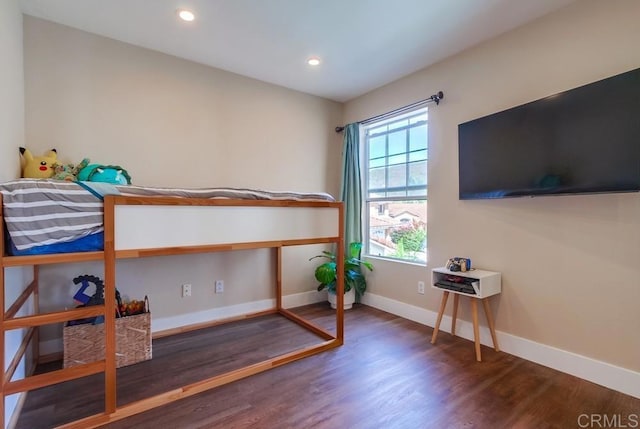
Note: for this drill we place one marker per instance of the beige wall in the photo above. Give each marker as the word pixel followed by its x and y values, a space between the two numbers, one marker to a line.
pixel 12 137
pixel 11 89
pixel 171 122
pixel 570 266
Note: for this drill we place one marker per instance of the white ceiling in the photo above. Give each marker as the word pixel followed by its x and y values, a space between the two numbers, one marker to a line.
pixel 363 44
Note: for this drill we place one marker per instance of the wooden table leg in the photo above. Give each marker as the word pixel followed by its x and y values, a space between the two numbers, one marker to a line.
pixel 476 331
pixel 492 328
pixel 454 317
pixel 443 304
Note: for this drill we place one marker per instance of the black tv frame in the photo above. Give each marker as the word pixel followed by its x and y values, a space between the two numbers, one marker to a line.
pixel 584 140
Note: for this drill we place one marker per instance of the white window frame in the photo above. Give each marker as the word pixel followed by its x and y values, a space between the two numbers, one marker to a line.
pixel 365 127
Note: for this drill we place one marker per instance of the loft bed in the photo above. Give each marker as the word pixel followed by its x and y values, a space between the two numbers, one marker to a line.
pixel 138 225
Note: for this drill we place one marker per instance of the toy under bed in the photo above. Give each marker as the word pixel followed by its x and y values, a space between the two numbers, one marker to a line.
pixel 48 216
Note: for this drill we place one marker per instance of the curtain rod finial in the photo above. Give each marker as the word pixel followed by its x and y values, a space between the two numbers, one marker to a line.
pixel 339 129
pixel 437 97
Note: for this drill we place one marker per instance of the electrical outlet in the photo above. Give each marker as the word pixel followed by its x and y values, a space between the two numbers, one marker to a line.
pixel 421 288
pixel 219 286
pixel 186 290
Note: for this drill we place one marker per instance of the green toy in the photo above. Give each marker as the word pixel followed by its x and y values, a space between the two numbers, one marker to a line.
pixel 105 173
pixel 68 172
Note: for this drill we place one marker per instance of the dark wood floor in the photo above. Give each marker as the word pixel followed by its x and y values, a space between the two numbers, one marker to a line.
pixel 387 375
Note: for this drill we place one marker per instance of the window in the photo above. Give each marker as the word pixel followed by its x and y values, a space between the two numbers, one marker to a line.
pixel 396 187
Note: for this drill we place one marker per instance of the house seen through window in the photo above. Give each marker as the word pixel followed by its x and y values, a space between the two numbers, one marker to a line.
pixel 396 187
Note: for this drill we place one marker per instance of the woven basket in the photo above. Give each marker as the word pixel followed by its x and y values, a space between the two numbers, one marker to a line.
pixel 85 343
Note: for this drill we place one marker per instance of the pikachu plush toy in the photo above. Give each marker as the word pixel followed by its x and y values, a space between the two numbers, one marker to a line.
pixel 38 167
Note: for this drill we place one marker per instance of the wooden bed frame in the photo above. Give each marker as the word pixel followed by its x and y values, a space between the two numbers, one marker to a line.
pixel 128 223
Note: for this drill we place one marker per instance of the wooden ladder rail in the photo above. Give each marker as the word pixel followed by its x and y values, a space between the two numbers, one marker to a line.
pixel 31 323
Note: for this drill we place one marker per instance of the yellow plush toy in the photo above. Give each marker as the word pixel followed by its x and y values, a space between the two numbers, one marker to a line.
pixel 38 167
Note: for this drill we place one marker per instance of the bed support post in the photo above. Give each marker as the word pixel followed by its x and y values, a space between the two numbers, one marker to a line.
pixel 2 307
pixel 279 278
pixel 36 310
pixel 340 278
pixel 109 305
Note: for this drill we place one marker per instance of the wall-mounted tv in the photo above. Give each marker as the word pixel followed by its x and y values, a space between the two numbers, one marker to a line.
pixel 585 140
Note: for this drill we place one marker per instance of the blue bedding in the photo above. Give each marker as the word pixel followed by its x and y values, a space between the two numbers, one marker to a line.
pixel 89 243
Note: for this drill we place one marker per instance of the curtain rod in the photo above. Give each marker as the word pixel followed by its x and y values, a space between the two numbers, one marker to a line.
pixel 435 98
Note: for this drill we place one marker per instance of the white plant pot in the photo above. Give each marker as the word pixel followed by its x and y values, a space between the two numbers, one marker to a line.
pixel 349 299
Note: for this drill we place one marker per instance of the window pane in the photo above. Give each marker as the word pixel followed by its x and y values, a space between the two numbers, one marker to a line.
pixel 379 162
pixel 398 142
pixel 420 155
pixel 377 130
pixel 418 173
pixel 418 192
pixel 397 229
pixel 418 137
pixel 398 159
pixel 397 175
pixel 376 178
pixel 398 124
pixel 377 147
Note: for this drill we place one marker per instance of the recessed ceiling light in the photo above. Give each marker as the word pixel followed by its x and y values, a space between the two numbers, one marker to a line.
pixel 186 15
pixel 313 61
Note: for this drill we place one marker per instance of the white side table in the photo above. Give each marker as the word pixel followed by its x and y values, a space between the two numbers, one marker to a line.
pixel 485 284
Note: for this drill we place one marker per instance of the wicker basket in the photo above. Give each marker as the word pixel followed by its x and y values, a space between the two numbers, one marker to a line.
pixel 85 343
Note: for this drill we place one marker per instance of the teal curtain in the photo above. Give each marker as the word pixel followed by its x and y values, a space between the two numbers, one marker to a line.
pixel 351 187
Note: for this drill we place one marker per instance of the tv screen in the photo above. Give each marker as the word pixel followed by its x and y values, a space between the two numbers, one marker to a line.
pixel 585 140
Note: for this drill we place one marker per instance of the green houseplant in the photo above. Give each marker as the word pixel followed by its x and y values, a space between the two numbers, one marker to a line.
pixel 353 277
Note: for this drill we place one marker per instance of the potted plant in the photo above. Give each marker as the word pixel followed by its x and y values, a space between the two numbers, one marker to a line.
pixel 354 280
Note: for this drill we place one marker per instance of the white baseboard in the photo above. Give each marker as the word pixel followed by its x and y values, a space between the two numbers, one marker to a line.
pixel 165 323
pixel 605 374
pixel 210 315
pixel 288 301
pixel 614 377
pixel 50 347
pixel 304 298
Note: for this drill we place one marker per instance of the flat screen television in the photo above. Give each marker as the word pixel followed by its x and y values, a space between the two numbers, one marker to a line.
pixel 581 141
